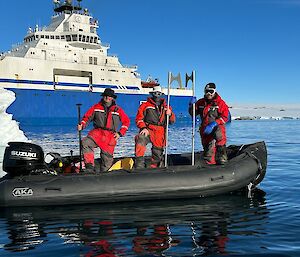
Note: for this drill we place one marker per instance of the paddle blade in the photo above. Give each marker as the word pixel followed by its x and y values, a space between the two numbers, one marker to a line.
pixel 125 164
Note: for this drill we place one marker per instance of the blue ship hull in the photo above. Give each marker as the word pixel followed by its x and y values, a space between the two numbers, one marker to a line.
pixel 62 104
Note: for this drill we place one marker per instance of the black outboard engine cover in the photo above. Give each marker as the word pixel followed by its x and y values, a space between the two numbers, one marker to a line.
pixel 20 158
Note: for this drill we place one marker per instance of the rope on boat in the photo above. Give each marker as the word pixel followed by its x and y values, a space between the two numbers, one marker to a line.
pixel 260 171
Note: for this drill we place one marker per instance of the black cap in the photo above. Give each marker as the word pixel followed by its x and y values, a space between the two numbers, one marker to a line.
pixel 210 86
pixel 109 92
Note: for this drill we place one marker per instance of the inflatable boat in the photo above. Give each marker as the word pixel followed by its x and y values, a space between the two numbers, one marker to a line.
pixel 32 182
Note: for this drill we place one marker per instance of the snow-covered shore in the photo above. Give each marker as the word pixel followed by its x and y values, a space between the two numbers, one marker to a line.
pixel 262 111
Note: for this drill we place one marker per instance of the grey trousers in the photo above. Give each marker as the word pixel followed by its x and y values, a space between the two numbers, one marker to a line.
pixel 88 147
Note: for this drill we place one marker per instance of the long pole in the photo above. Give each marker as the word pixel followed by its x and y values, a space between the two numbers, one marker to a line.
pixel 167 127
pixel 79 136
pixel 194 119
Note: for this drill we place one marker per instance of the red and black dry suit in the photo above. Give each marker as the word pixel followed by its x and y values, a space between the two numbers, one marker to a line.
pixel 209 111
pixel 152 116
pixel 106 121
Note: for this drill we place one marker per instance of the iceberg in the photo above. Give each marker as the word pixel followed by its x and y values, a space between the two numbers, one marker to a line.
pixel 10 130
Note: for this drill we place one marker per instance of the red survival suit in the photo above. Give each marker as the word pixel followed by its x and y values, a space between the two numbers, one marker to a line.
pixel 152 116
pixel 209 111
pixel 106 121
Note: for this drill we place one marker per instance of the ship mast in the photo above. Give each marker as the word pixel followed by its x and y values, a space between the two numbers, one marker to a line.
pixel 66 6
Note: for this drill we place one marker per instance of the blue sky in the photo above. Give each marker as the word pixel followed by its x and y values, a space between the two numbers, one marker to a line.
pixel 249 48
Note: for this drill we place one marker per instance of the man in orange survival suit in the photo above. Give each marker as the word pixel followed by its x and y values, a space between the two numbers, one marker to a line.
pixel 106 117
pixel 214 114
pixel 151 119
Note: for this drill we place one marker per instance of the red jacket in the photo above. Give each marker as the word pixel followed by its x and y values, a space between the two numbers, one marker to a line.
pixel 150 114
pixel 214 110
pixel 107 118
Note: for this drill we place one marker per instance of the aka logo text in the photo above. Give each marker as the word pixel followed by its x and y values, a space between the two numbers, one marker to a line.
pixel 22 191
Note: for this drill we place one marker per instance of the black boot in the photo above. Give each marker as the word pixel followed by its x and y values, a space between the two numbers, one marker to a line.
pixel 139 162
pixel 208 152
pixel 221 155
pixel 89 168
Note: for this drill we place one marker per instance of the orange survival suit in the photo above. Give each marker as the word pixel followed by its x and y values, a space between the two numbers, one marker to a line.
pixel 106 121
pixel 210 111
pixel 152 116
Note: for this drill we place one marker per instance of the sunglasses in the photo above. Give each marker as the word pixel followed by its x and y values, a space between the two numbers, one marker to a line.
pixel 210 91
pixel 157 93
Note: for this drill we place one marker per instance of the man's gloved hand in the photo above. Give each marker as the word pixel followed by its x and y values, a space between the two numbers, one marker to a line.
pixel 193 100
pixel 144 132
pixel 210 127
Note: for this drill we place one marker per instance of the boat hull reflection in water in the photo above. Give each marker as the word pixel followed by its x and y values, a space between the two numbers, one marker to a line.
pixel 198 226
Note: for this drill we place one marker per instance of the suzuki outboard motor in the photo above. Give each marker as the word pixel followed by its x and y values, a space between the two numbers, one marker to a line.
pixel 21 158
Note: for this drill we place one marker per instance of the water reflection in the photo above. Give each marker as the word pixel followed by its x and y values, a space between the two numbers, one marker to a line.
pixel 163 228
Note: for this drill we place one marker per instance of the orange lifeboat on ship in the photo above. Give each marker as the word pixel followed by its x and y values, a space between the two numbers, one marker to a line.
pixel 150 83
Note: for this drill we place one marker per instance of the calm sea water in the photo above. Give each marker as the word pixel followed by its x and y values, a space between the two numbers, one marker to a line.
pixel 267 223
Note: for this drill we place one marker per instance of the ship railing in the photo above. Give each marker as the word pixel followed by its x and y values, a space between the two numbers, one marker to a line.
pixel 130 66
pixel 82 62
pixel 16 45
pixel 105 45
pixel 113 55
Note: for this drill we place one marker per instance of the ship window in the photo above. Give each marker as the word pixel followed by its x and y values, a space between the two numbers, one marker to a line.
pixel 80 29
pixel 62 37
pixel 90 60
pixel 109 80
pixel 102 79
pixel 68 37
pixel 87 39
pixel 91 40
pixel 74 37
pixel 95 40
pixel 101 51
pixel 52 37
pixel 36 37
pixel 42 36
pixel 83 38
pixel 117 80
pixel 113 70
pixel 80 36
pixel 47 37
pixel 102 69
pixel 123 71
pixel 95 60
pixel 56 37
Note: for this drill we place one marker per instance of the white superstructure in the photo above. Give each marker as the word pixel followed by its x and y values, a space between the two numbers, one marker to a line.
pixel 68 54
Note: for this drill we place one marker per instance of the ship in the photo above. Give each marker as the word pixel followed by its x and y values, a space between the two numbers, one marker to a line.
pixel 66 63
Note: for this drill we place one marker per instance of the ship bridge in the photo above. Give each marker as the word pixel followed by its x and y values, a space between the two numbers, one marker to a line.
pixel 66 6
pixel 71 24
